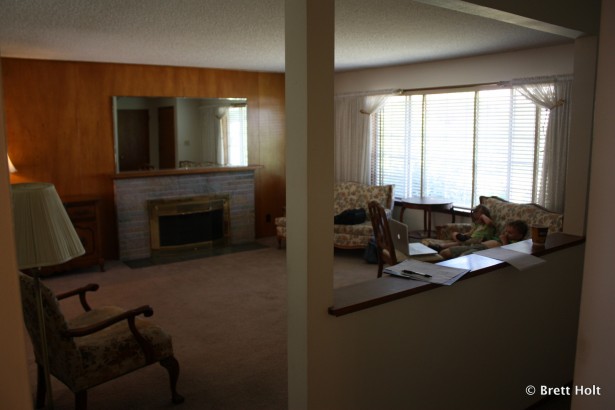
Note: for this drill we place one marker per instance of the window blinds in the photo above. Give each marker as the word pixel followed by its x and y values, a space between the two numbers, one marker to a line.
pixel 460 145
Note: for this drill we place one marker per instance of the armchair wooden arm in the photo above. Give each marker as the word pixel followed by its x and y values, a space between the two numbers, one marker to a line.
pixel 96 327
pixel 92 287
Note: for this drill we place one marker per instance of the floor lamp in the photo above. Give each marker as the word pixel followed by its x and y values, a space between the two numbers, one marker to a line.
pixel 44 236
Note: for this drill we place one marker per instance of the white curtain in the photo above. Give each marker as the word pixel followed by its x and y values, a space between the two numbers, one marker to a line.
pixel 553 94
pixel 221 135
pixel 352 135
pixel 214 134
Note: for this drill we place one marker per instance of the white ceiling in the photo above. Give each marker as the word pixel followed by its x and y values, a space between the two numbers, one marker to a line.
pixel 247 34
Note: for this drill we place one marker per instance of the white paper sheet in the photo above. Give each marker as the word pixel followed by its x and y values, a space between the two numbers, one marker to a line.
pixel 426 272
pixel 519 260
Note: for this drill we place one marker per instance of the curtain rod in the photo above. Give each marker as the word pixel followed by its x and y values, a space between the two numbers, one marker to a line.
pixel 556 77
pixel 368 93
pixel 448 87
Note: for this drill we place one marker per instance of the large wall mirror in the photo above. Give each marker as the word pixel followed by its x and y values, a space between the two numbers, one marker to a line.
pixel 154 133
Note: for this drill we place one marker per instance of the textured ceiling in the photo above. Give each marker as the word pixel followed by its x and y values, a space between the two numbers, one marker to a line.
pixel 247 34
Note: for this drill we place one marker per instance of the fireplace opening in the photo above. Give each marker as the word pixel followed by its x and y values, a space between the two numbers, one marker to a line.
pixel 191 228
pixel 190 222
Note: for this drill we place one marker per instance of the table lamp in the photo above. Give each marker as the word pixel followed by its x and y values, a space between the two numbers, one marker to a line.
pixel 44 236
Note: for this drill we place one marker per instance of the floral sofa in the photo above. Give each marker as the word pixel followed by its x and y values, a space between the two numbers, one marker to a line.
pixel 502 212
pixel 350 195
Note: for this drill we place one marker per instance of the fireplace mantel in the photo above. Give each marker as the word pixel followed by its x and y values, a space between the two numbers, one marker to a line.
pixel 183 171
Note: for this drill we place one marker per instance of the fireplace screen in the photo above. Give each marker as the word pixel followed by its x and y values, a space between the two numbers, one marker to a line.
pixel 189 222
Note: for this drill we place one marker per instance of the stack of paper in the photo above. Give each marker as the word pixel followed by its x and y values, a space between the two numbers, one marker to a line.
pixel 426 272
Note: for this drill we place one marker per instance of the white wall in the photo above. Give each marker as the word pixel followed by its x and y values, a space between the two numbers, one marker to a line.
pixel 581 128
pixel 475 70
pixel 475 345
pixel 189 130
pixel 595 357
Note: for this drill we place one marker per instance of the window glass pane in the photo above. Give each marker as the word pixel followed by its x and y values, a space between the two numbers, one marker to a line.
pixel 415 179
pixel 493 143
pixel 392 149
pixel 460 145
pixel 523 140
pixel 237 136
pixel 448 158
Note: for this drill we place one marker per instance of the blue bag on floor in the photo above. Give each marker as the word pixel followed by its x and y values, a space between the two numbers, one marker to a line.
pixel 371 251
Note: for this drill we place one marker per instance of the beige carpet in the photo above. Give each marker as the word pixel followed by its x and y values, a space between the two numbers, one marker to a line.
pixel 227 316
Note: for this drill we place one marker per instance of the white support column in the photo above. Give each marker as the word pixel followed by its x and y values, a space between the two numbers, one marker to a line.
pixel 579 145
pixel 596 338
pixel 309 186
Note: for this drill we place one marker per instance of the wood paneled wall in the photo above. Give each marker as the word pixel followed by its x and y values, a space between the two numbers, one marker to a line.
pixel 59 125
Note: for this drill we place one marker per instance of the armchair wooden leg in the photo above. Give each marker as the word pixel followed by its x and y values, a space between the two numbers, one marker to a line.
pixel 81 400
pixel 172 366
pixel 41 387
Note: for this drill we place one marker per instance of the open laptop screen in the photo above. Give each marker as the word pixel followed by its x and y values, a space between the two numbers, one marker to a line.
pixel 399 232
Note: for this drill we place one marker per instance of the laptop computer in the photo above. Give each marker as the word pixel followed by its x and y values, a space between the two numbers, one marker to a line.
pixel 399 232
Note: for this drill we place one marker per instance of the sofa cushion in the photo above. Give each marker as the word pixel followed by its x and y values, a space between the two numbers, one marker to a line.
pixel 362 229
pixel 350 240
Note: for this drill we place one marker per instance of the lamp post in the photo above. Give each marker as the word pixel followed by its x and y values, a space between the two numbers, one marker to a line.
pixel 44 236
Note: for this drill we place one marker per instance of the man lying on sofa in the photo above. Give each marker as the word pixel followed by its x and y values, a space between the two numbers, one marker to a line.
pixel 514 231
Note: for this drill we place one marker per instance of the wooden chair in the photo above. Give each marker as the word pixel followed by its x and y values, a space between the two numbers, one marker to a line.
pixel 96 346
pixel 384 240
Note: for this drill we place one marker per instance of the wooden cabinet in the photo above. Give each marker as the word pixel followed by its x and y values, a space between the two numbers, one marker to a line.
pixel 84 213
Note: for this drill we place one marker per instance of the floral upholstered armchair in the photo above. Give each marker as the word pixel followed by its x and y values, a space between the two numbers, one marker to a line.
pixel 347 196
pixel 97 346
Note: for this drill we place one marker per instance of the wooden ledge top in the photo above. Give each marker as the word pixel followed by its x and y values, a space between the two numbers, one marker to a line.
pixel 182 171
pixel 375 292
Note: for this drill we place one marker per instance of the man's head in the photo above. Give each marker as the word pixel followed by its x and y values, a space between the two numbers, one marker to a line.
pixel 516 230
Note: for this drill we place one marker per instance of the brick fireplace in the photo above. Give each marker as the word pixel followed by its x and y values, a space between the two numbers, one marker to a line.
pixel 132 195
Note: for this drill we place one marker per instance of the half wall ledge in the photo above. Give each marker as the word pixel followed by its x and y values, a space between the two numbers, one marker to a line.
pixel 376 292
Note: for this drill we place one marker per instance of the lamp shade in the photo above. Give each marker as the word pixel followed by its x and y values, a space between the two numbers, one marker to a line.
pixel 12 168
pixel 44 234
